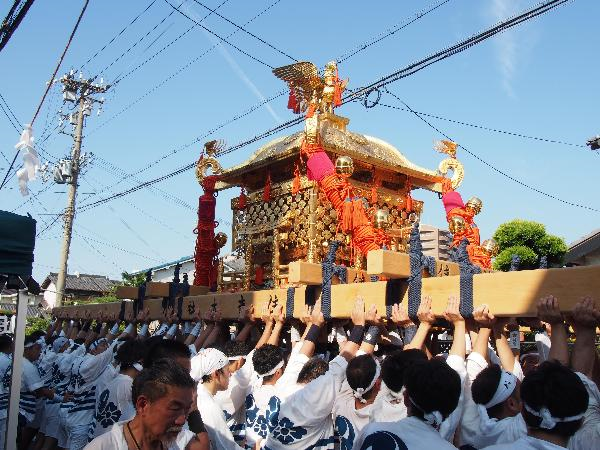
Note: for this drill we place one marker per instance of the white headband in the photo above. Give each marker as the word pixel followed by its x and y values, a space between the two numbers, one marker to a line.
pixel 138 367
pixel 359 392
pixel 272 371
pixel 505 388
pixel 433 418
pixel 207 361
pixel 96 343
pixel 31 344
pixel 235 358
pixel 548 421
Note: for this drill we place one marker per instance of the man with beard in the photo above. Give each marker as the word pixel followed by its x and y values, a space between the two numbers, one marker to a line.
pixel 163 396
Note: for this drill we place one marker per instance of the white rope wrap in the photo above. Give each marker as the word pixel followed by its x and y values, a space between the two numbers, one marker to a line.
pixel 359 392
pixel 115 329
pixel 196 330
pixel 144 330
pixel 505 388
pixel 172 330
pixel 549 421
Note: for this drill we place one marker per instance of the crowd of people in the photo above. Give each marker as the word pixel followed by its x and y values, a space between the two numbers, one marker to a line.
pixel 277 383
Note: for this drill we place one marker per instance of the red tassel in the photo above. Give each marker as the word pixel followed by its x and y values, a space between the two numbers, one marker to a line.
pixel 296 182
pixel 311 110
pixel 242 199
pixel 267 191
pixel 359 215
pixel 292 101
pixel 259 275
pixel 374 194
pixel 409 202
pixel 347 215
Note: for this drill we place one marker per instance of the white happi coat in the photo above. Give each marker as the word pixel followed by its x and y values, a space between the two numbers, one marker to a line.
pixel 304 419
pixel 410 433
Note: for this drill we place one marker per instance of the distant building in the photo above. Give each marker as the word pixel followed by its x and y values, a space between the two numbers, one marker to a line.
pixel 164 272
pixel 436 242
pixel 77 286
pixel 584 251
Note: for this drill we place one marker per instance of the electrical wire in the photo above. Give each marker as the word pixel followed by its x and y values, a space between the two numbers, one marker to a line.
pixel 402 73
pixel 248 32
pixel 491 166
pixel 120 78
pixel 180 70
pixel 482 127
pixel 116 36
pixel 390 31
pixel 258 60
pixel 148 33
pixel 459 47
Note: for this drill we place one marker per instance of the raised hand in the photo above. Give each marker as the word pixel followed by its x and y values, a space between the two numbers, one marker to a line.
pixel 548 310
pixel 484 317
pixel 452 313
pixel 316 316
pixel 425 313
pixel 400 316
pixel 358 315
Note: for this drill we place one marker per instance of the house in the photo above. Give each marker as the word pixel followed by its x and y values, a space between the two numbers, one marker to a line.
pixel 164 272
pixel 584 251
pixel 77 286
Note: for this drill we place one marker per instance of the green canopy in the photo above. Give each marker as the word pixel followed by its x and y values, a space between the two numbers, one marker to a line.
pixel 17 241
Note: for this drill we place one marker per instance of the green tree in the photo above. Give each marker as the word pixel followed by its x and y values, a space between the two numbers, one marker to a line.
pixel 530 241
pixel 133 280
pixel 36 324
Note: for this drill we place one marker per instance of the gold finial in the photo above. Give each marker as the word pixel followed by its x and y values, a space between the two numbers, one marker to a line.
pixel 456 224
pixel 381 219
pixel 220 239
pixel 474 205
pixel 344 166
pixel 490 247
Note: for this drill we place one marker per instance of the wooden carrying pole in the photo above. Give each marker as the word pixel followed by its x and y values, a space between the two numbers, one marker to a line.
pixel 511 294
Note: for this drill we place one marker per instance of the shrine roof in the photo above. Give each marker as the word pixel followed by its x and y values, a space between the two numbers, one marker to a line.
pixel 363 148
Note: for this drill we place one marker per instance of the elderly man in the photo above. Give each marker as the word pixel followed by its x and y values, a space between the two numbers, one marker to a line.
pixel 163 396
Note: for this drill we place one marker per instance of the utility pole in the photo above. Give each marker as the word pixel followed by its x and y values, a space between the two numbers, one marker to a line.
pixel 80 91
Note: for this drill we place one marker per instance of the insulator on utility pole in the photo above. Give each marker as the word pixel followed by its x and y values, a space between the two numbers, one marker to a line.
pixel 594 143
pixel 82 91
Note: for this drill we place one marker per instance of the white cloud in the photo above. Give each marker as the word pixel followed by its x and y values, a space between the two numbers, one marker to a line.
pixel 233 64
pixel 506 43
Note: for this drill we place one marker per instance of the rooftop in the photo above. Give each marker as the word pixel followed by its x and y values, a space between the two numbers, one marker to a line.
pixel 83 282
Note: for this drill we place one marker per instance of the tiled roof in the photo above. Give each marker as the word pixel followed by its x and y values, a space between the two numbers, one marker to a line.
pixel 583 246
pixel 82 282
pixel 32 311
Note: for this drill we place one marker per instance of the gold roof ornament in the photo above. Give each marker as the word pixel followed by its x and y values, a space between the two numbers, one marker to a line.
pixel 490 247
pixel 474 205
pixel 456 224
pixel 458 171
pixel 344 166
pixel 212 149
pixel 381 219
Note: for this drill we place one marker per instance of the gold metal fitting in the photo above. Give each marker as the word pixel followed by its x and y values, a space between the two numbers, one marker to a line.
pixel 381 219
pixel 474 205
pixel 220 239
pixel 344 166
pixel 490 247
pixel 456 224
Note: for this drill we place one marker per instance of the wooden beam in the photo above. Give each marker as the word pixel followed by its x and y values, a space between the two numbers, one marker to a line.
pixel 506 293
pixel 311 274
pixel 397 265
pixel 155 289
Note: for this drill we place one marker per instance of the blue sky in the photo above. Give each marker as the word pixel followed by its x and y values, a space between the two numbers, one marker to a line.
pixel 539 79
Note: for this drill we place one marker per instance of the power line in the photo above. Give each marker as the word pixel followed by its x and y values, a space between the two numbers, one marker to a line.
pixel 180 70
pixel 118 79
pixel 220 37
pixel 390 31
pixel 482 127
pixel 146 35
pixel 118 34
pixel 459 47
pixel 402 73
pixel 491 166
pixel 248 32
